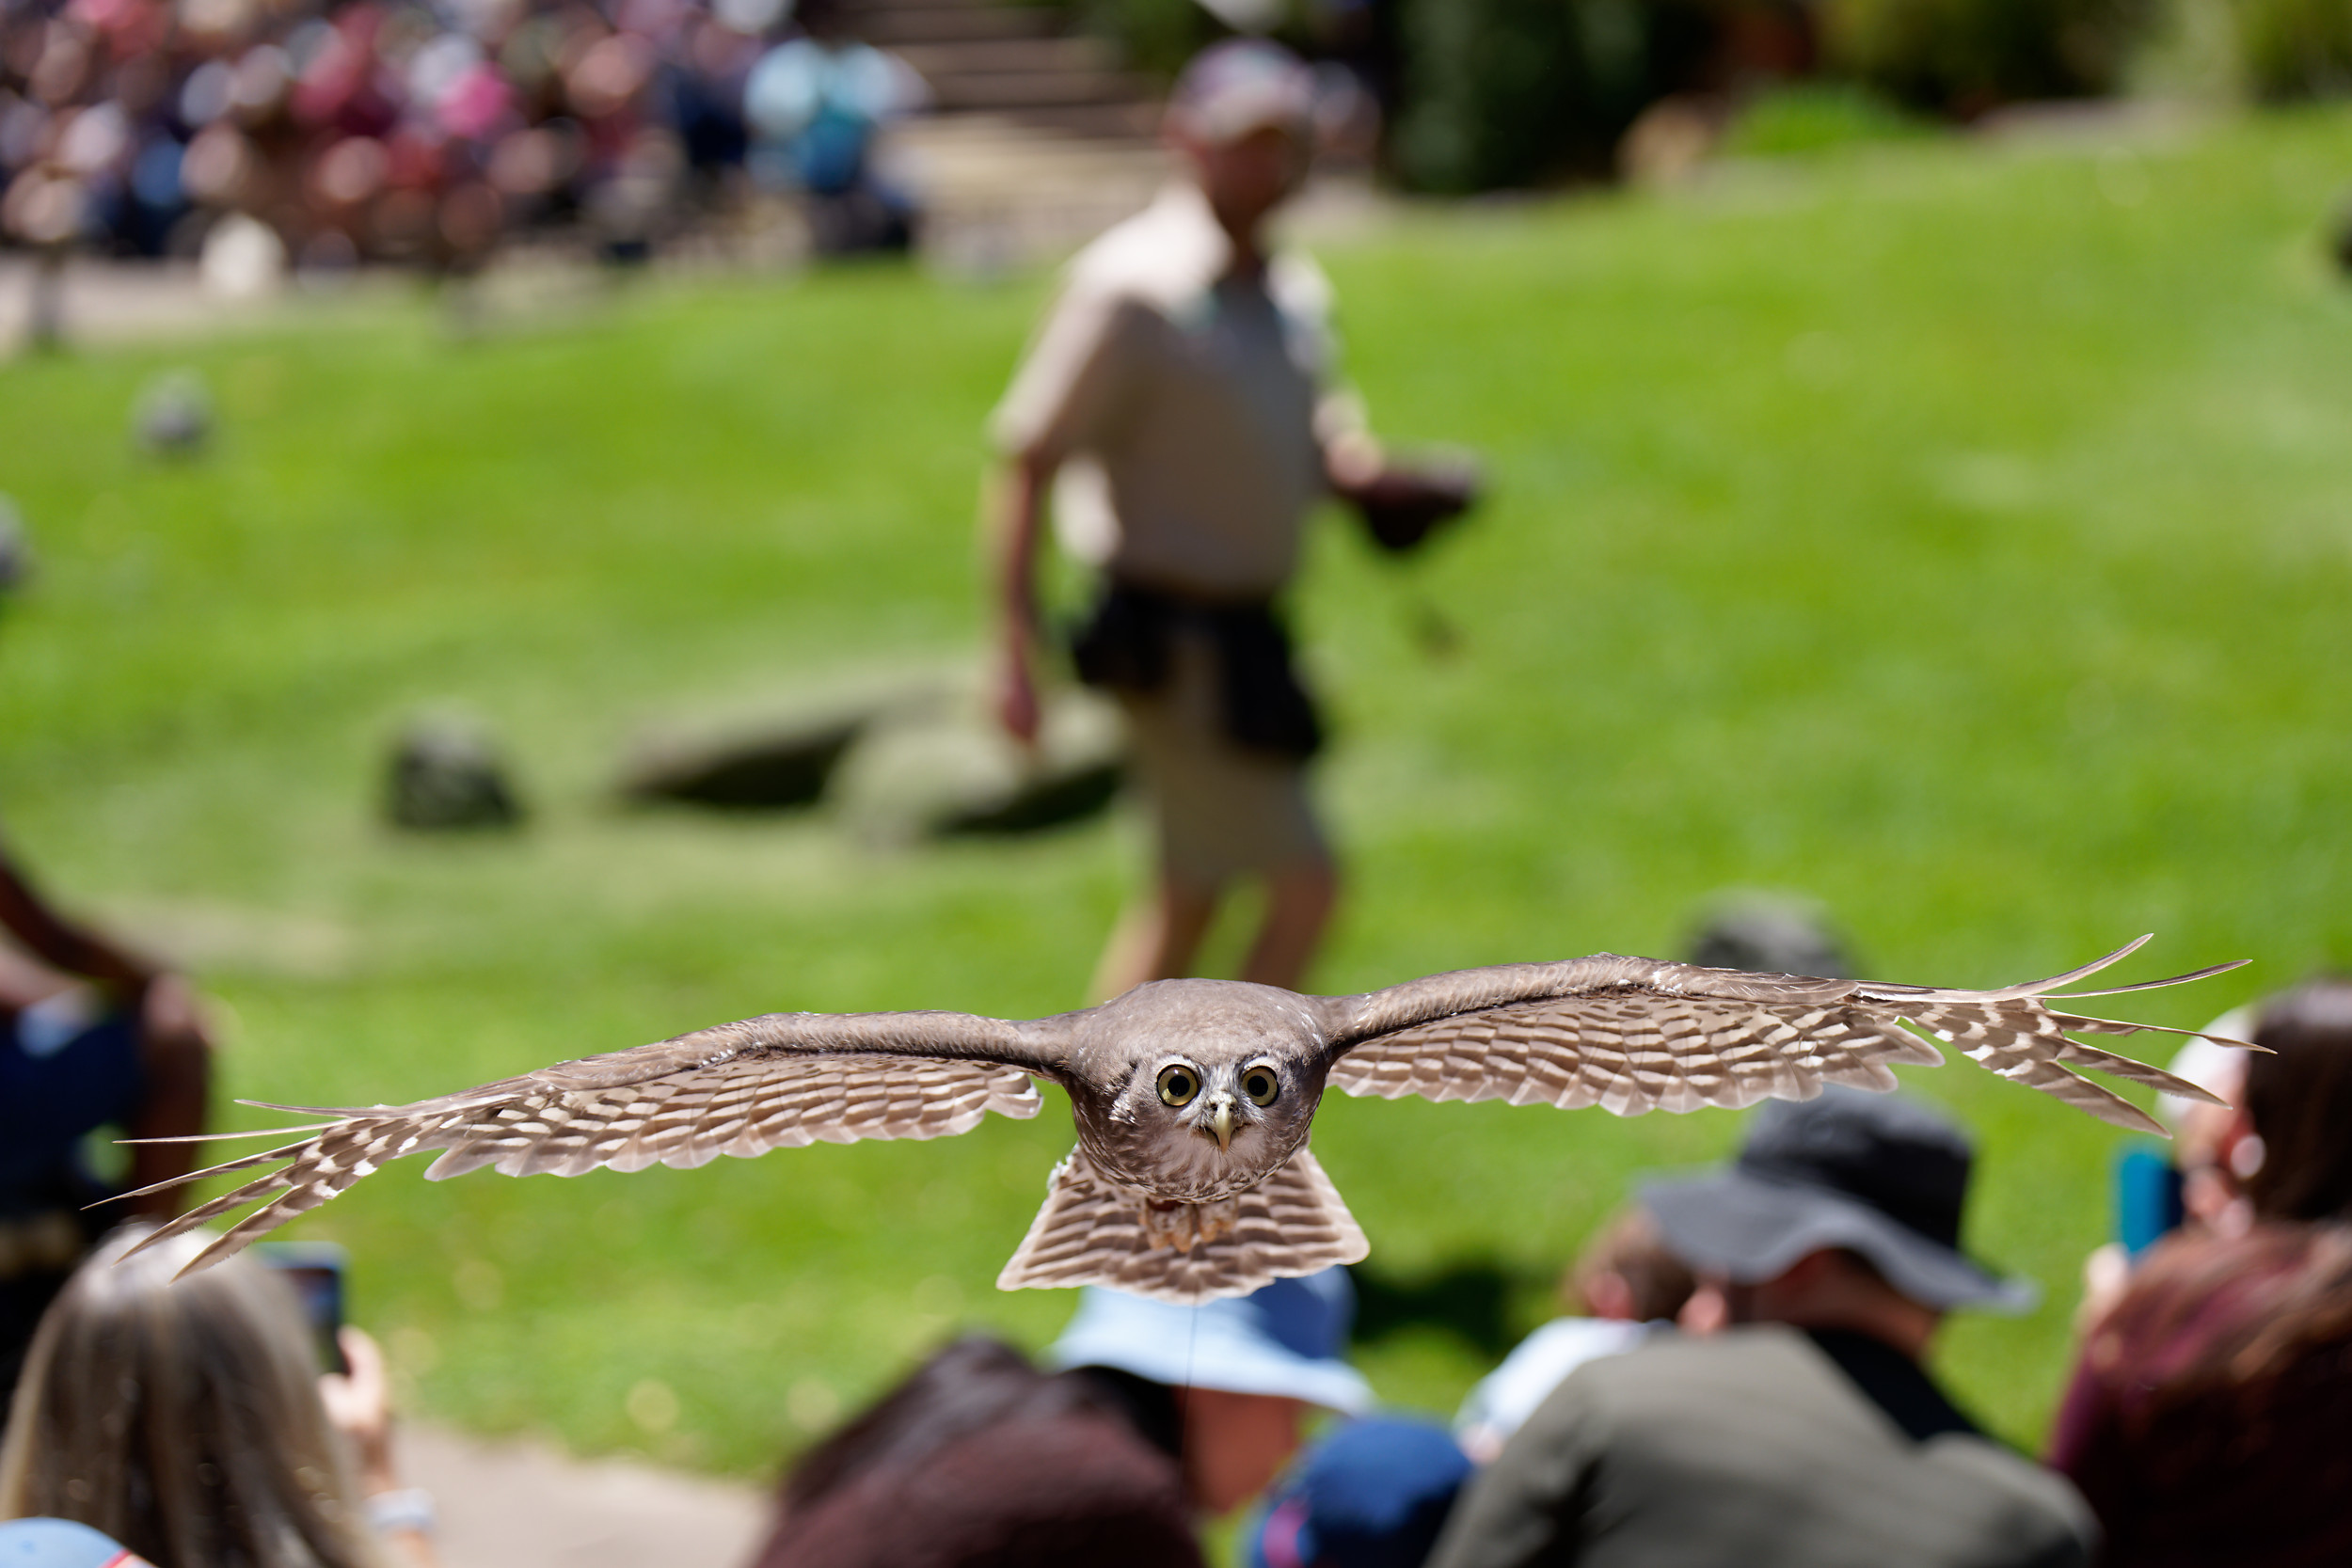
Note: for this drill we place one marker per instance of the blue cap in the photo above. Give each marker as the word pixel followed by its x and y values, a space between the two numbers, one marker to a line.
pixel 1288 1338
pixel 1372 1495
pixel 60 1543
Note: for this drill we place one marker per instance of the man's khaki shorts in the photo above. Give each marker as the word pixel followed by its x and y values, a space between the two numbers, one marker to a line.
pixel 1221 811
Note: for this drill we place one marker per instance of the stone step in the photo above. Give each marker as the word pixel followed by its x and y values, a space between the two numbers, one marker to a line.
pixel 1014 61
pixel 1123 121
pixel 931 22
pixel 1017 91
pixel 990 57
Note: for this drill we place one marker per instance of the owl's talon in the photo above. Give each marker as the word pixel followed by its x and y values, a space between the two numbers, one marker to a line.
pixel 1186 1225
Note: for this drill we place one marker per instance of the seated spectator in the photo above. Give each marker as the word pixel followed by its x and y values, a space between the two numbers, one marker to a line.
pixel 816 105
pixel 1806 1432
pixel 2207 1137
pixel 1626 1284
pixel 1372 1495
pixel 2206 1420
pixel 2189 1187
pixel 128 1049
pixel 1158 1413
pixel 188 1420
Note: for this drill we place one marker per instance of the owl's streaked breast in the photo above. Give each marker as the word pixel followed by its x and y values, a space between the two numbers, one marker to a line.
pixel 1167 1159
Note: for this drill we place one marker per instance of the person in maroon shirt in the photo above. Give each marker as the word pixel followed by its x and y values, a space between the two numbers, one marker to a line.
pixel 1159 1415
pixel 2210 1417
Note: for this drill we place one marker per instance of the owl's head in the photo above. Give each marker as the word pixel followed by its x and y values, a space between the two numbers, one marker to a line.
pixel 1216 1077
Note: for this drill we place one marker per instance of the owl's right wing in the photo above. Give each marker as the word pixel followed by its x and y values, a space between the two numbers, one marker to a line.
pixel 780 1080
pixel 1636 1034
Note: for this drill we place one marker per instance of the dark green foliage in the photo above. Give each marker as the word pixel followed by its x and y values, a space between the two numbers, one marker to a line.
pixel 1156 37
pixel 2292 49
pixel 1502 93
pixel 1492 91
pixel 1967 55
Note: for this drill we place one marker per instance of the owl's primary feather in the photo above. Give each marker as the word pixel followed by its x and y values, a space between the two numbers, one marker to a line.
pixel 1193 1099
pixel 1636 1035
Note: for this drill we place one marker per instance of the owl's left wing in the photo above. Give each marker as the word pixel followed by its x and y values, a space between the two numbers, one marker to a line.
pixel 1636 1035
pixel 775 1082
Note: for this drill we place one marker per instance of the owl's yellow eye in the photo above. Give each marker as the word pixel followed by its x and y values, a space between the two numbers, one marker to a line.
pixel 1261 1086
pixel 1178 1084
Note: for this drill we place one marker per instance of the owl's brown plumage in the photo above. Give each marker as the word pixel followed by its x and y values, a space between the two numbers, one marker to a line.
pixel 1194 1097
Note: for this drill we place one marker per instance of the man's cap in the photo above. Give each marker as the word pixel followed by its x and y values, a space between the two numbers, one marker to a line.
pixel 1883 1177
pixel 1240 85
pixel 1288 1338
pixel 1372 1495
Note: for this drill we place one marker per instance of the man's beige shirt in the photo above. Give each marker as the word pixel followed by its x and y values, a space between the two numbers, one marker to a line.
pixel 1181 403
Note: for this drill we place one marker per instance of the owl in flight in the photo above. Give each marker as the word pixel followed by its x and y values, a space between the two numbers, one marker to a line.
pixel 1193 1099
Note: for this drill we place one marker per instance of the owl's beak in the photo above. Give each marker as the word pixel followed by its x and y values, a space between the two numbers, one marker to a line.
pixel 1220 1125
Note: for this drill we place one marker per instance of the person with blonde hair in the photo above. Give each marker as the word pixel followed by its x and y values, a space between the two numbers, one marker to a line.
pixel 187 1419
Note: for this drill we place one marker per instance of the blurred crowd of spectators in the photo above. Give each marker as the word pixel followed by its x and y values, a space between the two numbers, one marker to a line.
pixel 425 133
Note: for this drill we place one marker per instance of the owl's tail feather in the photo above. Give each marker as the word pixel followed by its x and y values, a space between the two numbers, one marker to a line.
pixel 1090 1233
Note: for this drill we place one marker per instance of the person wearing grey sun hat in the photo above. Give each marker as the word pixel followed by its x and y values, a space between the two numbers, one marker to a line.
pixel 1878 1176
pixel 1804 1430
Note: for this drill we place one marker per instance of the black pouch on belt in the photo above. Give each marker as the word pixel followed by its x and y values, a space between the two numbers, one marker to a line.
pixel 1267 709
pixel 1123 646
pixel 1122 643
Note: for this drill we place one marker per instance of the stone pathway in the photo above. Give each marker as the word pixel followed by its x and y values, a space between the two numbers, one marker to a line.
pixel 523 1505
pixel 115 301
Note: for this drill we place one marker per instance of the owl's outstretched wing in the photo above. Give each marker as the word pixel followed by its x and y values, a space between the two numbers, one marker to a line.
pixel 1090 1233
pixel 775 1082
pixel 1636 1034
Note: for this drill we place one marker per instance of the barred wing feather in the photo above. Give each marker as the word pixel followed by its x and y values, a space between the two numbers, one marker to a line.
pixel 741 1089
pixel 1632 1052
pixel 1637 1034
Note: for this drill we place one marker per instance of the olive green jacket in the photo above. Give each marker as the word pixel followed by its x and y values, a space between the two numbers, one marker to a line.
pixel 1760 1447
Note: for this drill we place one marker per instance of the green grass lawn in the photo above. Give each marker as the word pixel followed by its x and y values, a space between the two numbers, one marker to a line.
pixel 1959 535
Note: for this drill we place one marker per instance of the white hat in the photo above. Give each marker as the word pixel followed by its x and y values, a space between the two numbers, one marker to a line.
pixel 1285 1338
pixel 1240 85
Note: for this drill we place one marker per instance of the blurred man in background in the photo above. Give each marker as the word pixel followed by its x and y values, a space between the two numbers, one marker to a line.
pixel 1181 387
pixel 90 1036
pixel 1807 1432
